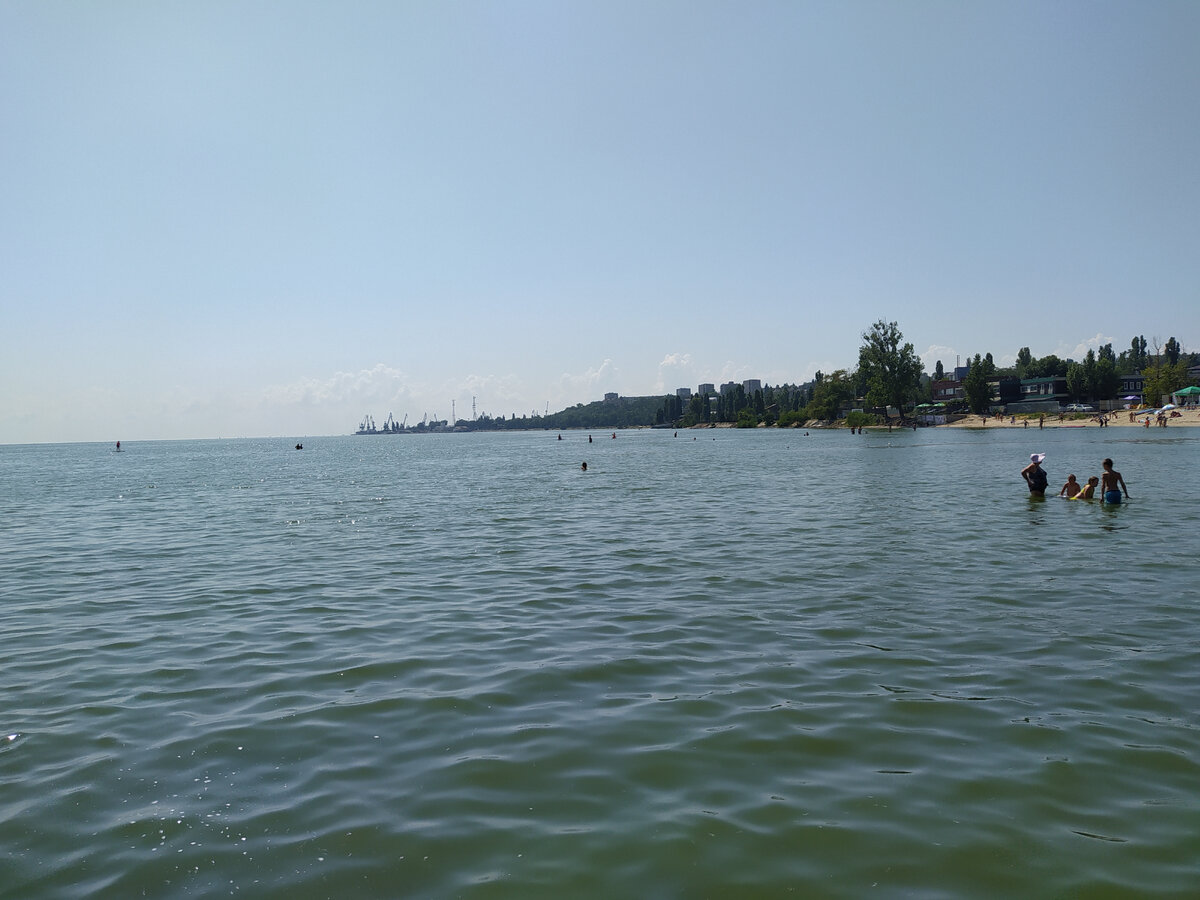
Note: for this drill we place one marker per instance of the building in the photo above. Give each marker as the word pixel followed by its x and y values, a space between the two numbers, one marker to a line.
pixel 750 385
pixel 946 391
pixel 1006 389
pixel 707 389
pixel 728 388
pixel 1133 385
pixel 683 393
pixel 610 397
pixel 1044 389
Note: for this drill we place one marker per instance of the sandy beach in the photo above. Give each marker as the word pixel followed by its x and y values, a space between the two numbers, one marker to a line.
pixel 1118 419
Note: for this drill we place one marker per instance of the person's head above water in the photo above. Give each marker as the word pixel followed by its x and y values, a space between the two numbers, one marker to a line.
pixel 584 467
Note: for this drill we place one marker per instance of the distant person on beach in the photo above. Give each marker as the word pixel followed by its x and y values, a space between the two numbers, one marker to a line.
pixel 1071 488
pixel 1089 489
pixel 1109 481
pixel 1042 421
pixel 1035 476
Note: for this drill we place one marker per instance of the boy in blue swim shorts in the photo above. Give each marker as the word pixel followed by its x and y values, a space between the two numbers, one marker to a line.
pixel 1109 482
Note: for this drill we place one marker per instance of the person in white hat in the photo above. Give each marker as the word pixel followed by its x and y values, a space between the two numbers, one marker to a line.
pixel 1035 476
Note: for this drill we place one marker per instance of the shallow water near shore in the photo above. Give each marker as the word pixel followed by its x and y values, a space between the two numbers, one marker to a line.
pixel 723 664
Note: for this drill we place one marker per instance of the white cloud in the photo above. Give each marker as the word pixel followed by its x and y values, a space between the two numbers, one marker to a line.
pixel 1079 351
pixel 674 371
pixel 732 371
pixel 583 387
pixel 381 384
pixel 948 356
pixel 676 359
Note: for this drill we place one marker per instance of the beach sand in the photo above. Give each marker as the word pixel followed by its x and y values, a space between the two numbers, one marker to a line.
pixel 1118 419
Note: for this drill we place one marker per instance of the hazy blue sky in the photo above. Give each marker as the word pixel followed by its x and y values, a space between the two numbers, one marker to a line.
pixel 249 218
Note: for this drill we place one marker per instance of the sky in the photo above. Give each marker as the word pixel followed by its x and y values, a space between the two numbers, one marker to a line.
pixel 242 219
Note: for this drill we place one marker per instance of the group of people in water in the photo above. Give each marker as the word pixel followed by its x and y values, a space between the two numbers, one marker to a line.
pixel 1110 482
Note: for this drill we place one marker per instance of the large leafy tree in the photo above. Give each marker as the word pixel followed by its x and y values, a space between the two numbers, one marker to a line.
pixel 1108 382
pixel 1162 380
pixel 829 393
pixel 1135 358
pixel 975 386
pixel 1172 350
pixel 1049 366
pixel 1024 360
pixel 889 368
pixel 1077 382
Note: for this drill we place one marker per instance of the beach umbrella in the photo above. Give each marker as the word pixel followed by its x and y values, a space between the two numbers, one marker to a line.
pixel 1168 406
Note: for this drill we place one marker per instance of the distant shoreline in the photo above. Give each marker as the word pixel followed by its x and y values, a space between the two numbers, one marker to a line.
pixel 1118 419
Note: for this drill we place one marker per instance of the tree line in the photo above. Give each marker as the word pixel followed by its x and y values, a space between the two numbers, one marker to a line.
pixel 889 374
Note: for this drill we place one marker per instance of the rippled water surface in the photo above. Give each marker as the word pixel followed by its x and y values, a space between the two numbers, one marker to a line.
pixel 723 664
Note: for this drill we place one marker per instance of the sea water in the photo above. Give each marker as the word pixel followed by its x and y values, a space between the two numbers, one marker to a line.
pixel 719 664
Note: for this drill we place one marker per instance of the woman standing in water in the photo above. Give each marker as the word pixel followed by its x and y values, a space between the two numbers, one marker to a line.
pixel 1035 476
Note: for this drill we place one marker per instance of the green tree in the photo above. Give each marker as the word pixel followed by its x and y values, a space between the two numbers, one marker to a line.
pixel 829 394
pixel 1024 359
pixel 1136 357
pixel 975 386
pixel 1108 382
pixel 1076 381
pixel 1049 366
pixel 1163 379
pixel 889 369
pixel 1171 351
pixel 939 374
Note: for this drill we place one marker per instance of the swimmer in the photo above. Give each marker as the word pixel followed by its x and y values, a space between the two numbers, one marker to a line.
pixel 1071 488
pixel 583 467
pixel 1089 490
pixel 1109 482
pixel 1035 476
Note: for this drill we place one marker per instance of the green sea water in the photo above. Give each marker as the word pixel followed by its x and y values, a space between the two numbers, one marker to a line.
pixel 723 664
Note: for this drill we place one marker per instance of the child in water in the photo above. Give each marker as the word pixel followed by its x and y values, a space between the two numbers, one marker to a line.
pixel 1113 483
pixel 1089 490
pixel 1071 488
